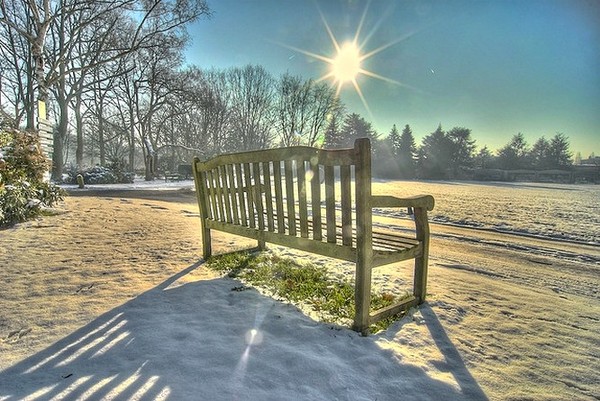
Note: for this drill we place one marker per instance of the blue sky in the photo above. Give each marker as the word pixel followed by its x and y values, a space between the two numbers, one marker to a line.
pixel 496 67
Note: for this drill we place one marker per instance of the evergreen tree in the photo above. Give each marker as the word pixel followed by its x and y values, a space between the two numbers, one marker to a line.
pixel 463 148
pixel 484 158
pixel 386 164
pixel 436 154
pixel 394 141
pixel 559 152
pixel 540 154
pixel 356 127
pixel 514 155
pixel 406 153
pixel 333 134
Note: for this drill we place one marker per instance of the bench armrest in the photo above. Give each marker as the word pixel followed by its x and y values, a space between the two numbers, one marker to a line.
pixel 418 201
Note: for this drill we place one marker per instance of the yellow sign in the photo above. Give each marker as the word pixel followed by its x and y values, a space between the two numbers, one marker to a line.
pixel 42 109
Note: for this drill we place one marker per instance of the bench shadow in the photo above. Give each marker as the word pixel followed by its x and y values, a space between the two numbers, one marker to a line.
pixel 453 362
pixel 216 340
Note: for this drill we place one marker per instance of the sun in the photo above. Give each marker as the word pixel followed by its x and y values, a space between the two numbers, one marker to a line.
pixel 345 65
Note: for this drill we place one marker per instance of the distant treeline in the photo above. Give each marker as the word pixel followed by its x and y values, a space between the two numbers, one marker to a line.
pixel 453 154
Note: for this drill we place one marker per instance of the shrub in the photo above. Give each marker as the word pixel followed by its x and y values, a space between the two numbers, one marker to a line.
pixel 114 174
pixel 23 192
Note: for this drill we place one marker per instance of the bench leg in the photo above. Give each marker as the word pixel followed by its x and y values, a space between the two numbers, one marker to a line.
pixel 362 297
pixel 206 244
pixel 420 280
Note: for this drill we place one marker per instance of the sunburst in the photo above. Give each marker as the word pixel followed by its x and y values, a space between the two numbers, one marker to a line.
pixel 346 65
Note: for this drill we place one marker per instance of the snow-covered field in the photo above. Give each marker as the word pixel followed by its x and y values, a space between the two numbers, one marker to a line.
pixel 110 301
pixel 551 211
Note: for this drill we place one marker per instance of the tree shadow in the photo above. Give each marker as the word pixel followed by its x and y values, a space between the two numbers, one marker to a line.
pixel 175 195
pixel 202 340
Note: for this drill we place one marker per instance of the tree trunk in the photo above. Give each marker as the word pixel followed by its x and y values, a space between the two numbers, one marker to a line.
pixel 59 139
pixel 101 146
pixel 131 140
pixel 79 127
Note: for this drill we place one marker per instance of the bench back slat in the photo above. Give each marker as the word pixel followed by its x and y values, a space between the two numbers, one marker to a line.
pixel 346 203
pixel 315 192
pixel 302 204
pixel 240 194
pixel 225 193
pixel 278 196
pixel 330 203
pixel 249 205
pixel 233 193
pixel 266 169
pixel 289 196
pixel 258 196
pixel 212 195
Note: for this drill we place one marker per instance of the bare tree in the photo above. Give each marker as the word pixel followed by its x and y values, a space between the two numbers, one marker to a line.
pixel 252 118
pixel 139 22
pixel 294 96
pixel 16 72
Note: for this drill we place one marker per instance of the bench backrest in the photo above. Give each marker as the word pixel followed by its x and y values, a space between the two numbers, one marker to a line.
pixel 286 190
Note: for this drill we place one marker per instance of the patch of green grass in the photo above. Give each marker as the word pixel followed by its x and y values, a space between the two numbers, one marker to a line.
pixel 284 278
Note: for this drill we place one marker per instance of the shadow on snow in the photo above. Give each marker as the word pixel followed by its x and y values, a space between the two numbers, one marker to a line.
pixel 201 340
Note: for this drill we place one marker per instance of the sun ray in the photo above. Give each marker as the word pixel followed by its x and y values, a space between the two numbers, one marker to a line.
pixel 362 97
pixel 387 45
pixel 360 25
pixel 389 80
pixel 305 52
pixel 331 35
pixel 380 77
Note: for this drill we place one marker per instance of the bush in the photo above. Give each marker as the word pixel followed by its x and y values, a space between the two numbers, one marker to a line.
pixel 23 192
pixel 114 174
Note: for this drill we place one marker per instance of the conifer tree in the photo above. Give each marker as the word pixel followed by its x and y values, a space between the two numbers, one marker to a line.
pixel 407 151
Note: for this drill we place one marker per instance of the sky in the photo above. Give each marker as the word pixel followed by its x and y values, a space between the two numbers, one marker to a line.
pixel 495 67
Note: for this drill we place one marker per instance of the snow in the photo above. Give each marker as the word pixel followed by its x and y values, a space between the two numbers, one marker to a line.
pixel 513 312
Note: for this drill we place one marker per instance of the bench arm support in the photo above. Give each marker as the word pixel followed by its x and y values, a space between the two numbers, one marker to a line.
pixel 420 204
pixel 419 201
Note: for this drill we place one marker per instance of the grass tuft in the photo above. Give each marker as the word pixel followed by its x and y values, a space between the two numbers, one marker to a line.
pixel 301 284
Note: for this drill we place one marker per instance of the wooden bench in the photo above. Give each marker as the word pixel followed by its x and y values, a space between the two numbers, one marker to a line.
pixel 317 201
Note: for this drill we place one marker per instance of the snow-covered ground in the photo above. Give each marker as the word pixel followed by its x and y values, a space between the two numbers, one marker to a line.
pixel 513 311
